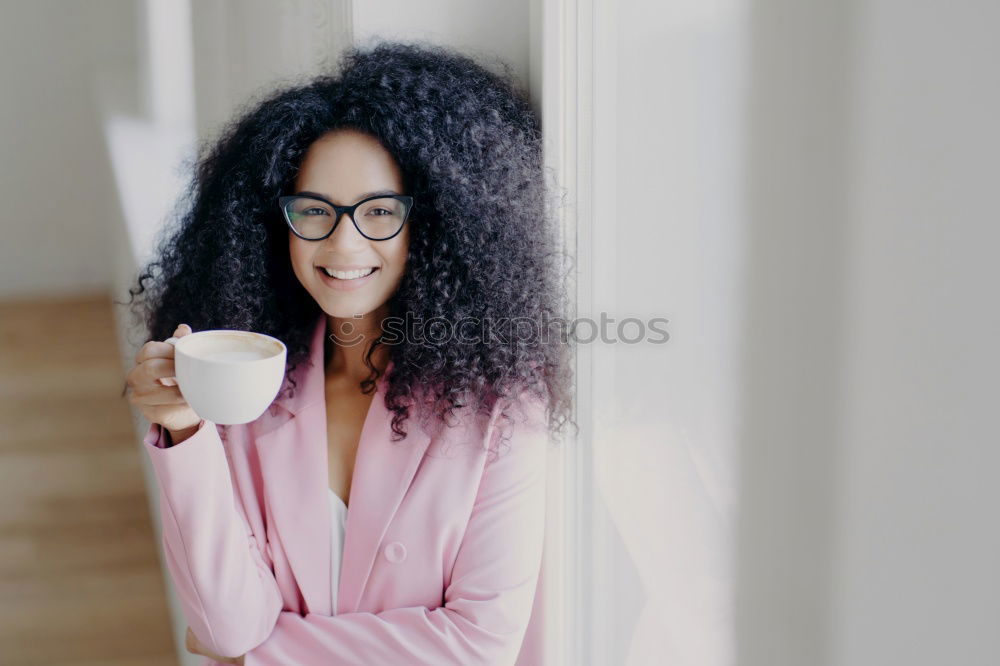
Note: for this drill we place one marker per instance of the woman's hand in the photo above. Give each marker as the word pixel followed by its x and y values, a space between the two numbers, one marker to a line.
pixel 155 392
pixel 194 646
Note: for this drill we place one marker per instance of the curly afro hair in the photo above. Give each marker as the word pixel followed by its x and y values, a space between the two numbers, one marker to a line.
pixel 483 243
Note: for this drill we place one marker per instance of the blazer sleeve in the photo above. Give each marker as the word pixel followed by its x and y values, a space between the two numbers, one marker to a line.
pixel 487 604
pixel 227 591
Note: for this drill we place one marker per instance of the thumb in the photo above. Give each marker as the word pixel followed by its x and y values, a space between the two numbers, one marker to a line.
pixel 182 330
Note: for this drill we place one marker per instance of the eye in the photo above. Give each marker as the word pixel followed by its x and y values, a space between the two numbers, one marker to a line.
pixel 308 211
pixel 374 210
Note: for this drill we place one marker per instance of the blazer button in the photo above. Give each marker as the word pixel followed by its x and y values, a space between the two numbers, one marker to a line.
pixel 395 552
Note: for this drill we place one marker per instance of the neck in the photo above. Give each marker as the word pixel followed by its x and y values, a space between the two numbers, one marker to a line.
pixel 347 342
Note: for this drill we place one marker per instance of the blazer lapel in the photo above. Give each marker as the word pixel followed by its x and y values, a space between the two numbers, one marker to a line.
pixel 292 446
pixel 383 471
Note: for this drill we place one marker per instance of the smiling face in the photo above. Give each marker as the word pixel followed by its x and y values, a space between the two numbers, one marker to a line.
pixel 346 166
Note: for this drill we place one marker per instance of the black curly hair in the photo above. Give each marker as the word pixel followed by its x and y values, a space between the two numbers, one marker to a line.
pixel 483 243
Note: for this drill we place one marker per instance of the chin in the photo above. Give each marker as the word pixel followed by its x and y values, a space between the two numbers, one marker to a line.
pixel 343 308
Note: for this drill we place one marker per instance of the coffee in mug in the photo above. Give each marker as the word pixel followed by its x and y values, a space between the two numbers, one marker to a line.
pixel 227 376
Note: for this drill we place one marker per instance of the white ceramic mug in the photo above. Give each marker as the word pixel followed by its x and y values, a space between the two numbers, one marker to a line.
pixel 229 377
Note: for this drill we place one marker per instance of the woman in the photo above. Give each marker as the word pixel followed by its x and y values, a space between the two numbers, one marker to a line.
pixel 390 224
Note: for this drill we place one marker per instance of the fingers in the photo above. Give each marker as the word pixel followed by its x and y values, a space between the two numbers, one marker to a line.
pixel 148 371
pixel 159 348
pixel 154 349
pixel 157 396
pixel 152 373
pixel 152 380
pixel 160 371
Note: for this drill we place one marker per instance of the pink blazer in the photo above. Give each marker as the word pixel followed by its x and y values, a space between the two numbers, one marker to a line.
pixel 442 551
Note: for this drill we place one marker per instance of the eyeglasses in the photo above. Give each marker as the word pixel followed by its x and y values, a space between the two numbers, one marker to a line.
pixel 376 218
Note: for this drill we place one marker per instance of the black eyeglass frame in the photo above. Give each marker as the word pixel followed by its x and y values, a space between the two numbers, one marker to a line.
pixel 340 210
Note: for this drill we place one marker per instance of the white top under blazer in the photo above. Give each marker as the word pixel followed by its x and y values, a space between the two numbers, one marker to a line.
pixel 338 512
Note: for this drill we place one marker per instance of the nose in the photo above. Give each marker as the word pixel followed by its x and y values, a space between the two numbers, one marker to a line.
pixel 345 233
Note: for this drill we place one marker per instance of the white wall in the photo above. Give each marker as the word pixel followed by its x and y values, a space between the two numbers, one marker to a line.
pixel 797 130
pixel 56 182
pixel 916 576
pixel 868 532
pixel 243 48
pixel 477 27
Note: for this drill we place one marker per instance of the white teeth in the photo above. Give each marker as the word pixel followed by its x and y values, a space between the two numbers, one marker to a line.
pixel 348 275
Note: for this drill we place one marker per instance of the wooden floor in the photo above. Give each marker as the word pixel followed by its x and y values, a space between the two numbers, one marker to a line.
pixel 80 582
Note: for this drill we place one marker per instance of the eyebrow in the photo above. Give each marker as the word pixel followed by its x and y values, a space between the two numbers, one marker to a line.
pixel 376 193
